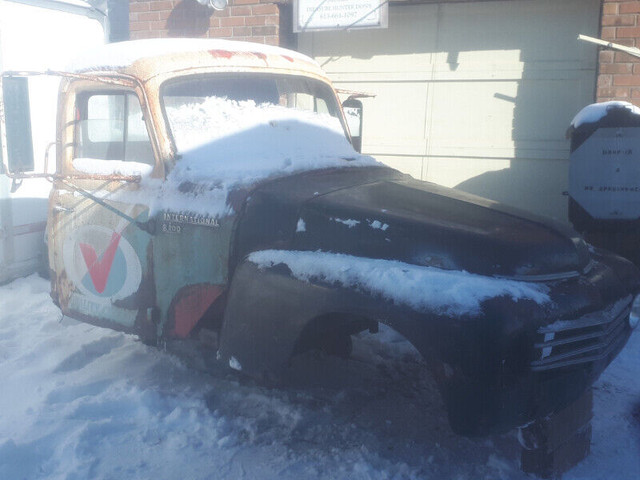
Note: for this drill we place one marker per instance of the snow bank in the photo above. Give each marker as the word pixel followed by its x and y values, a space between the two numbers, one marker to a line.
pixel 596 111
pixel 82 402
pixel 224 144
pixel 423 288
pixel 121 54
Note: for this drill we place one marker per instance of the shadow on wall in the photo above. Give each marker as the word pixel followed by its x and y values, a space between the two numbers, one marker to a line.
pixel 189 19
pixel 527 185
pixel 464 90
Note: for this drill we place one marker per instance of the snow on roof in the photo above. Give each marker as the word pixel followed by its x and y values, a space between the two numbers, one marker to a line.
pixel 119 55
pixel 596 111
pixel 424 288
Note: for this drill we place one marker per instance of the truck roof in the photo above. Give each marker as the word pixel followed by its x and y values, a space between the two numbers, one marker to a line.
pixel 146 59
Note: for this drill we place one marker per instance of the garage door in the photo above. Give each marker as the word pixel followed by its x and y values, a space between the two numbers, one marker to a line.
pixel 472 95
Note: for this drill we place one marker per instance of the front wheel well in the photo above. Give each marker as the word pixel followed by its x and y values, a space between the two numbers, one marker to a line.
pixel 332 332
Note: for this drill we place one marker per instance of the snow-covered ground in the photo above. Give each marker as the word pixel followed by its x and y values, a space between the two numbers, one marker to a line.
pixel 81 402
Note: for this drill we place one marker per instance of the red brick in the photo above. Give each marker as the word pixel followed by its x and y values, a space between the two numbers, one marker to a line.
pixel 241 32
pixel 139 26
pixel 243 2
pixel 160 25
pixel 629 80
pixel 627 32
pixel 144 34
pixel 232 21
pixel 618 20
pixel 608 33
pixel 214 22
pixel 139 7
pixel 625 58
pixel 629 7
pixel 272 20
pixel 636 68
pixel 164 5
pixel 635 93
pixel 612 93
pixel 238 11
pixel 616 68
pixel 266 30
pixel 605 56
pixel 255 20
pixel 629 42
pixel 221 32
pixel 148 16
pixel 610 9
pixel 605 80
pixel 222 13
pixel 266 9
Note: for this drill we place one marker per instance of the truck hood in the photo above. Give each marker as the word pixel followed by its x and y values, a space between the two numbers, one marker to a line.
pixel 380 213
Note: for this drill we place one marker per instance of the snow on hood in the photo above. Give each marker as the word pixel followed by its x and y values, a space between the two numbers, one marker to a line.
pixel 121 54
pixel 223 144
pixel 424 288
pixel 596 111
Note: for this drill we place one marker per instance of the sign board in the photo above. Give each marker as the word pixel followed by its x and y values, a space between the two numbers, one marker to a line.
pixel 319 15
pixel 604 174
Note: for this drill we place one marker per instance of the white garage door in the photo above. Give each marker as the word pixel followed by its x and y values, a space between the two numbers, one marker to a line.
pixel 472 95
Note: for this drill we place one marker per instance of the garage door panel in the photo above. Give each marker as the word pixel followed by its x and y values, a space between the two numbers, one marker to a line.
pixel 526 184
pixel 413 165
pixel 543 30
pixel 481 82
pixel 407 44
pixel 395 107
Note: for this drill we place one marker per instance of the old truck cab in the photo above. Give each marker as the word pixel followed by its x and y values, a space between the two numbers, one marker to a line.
pixel 210 189
pixel 148 249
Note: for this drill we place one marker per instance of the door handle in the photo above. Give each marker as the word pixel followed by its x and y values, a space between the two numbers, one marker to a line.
pixel 60 208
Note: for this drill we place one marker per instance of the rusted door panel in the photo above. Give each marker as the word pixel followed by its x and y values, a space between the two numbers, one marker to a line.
pixel 101 259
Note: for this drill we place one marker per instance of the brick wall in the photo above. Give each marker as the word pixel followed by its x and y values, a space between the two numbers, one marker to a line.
pixel 262 21
pixel 619 73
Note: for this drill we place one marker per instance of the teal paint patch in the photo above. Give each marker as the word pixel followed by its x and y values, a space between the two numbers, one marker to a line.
pixel 198 254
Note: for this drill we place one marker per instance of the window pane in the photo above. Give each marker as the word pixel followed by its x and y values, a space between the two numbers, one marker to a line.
pixel 112 128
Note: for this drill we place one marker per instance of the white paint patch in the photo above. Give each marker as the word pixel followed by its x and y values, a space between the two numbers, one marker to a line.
pixel 378 225
pixel 423 288
pixel 235 364
pixel 349 223
pixel 301 227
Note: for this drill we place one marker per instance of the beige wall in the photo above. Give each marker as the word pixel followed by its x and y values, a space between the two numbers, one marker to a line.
pixel 472 95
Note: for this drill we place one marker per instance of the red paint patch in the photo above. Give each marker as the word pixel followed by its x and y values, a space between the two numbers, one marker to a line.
pixel 221 53
pixel 261 56
pixel 99 269
pixel 288 58
pixel 192 305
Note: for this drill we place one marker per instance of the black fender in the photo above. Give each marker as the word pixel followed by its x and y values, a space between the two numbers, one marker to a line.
pixel 268 309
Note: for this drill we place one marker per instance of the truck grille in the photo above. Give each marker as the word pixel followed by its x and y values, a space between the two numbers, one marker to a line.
pixel 590 338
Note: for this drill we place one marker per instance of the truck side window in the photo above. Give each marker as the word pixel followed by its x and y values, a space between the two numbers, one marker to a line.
pixel 111 127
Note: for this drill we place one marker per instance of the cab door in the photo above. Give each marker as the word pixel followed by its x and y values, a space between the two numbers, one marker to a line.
pixel 98 250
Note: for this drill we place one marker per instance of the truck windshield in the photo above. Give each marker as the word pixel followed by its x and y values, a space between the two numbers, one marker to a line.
pixel 203 94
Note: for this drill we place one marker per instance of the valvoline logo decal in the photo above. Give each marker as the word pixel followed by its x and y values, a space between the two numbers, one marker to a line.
pixel 101 263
